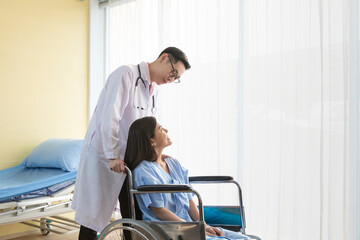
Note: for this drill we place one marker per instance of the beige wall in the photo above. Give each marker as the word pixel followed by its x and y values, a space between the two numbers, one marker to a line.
pixel 43 74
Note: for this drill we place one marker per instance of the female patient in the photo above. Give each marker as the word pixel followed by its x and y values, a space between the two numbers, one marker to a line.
pixel 147 139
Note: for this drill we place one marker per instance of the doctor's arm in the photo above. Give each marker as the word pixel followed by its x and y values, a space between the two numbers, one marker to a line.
pixel 115 101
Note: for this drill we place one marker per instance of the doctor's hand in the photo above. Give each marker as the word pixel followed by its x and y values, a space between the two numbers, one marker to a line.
pixel 117 165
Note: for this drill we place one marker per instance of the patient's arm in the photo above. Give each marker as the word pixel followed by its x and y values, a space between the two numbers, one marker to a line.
pixel 193 211
pixel 194 214
pixel 165 214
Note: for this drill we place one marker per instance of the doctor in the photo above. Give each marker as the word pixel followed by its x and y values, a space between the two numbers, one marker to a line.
pixel 129 93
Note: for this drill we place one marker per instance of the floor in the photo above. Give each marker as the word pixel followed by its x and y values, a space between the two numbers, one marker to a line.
pixel 54 236
pixel 51 236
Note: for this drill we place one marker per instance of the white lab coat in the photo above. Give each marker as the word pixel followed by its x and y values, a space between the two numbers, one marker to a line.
pixel 97 187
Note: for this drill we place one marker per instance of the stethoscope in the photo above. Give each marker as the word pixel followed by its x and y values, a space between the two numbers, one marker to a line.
pixel 136 86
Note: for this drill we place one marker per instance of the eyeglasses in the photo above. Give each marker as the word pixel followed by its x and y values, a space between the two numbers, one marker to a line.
pixel 174 73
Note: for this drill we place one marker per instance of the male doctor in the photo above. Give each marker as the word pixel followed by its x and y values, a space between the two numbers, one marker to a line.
pixel 129 93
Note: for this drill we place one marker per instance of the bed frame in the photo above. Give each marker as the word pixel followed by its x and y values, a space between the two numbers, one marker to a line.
pixel 46 208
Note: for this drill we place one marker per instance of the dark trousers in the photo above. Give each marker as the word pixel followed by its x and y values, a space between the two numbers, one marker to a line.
pixel 87 233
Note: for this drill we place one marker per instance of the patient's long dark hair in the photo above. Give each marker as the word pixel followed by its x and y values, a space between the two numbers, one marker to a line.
pixel 138 146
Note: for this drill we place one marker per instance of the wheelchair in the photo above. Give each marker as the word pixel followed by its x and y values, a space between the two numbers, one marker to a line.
pixel 131 227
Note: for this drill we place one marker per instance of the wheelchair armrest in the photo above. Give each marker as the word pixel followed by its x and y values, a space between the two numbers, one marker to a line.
pixel 164 187
pixel 170 188
pixel 210 178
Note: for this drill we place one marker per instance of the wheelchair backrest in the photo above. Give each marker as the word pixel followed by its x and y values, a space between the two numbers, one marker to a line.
pixel 125 203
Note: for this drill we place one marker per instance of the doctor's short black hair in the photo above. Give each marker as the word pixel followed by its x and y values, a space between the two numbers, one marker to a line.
pixel 177 55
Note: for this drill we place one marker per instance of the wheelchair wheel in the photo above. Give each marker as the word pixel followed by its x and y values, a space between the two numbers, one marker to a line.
pixel 137 229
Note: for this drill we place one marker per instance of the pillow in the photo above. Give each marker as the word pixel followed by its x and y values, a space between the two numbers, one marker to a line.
pixel 55 153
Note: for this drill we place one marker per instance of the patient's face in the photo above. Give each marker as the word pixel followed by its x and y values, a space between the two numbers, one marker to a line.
pixel 161 138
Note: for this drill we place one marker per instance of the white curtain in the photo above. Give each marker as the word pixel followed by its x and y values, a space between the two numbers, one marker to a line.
pixel 272 99
pixel 296 88
pixel 202 112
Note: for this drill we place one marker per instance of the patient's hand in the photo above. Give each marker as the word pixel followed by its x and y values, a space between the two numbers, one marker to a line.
pixel 213 231
pixel 117 165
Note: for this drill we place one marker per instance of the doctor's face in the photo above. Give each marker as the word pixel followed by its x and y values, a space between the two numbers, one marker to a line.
pixel 172 71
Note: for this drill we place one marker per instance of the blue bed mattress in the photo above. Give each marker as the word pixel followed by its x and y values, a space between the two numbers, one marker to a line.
pixel 20 180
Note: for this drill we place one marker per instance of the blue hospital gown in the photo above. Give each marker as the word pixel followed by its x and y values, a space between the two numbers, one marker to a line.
pixel 150 173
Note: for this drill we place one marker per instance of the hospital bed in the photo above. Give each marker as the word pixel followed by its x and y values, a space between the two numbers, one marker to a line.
pixel 41 187
pixel 230 217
